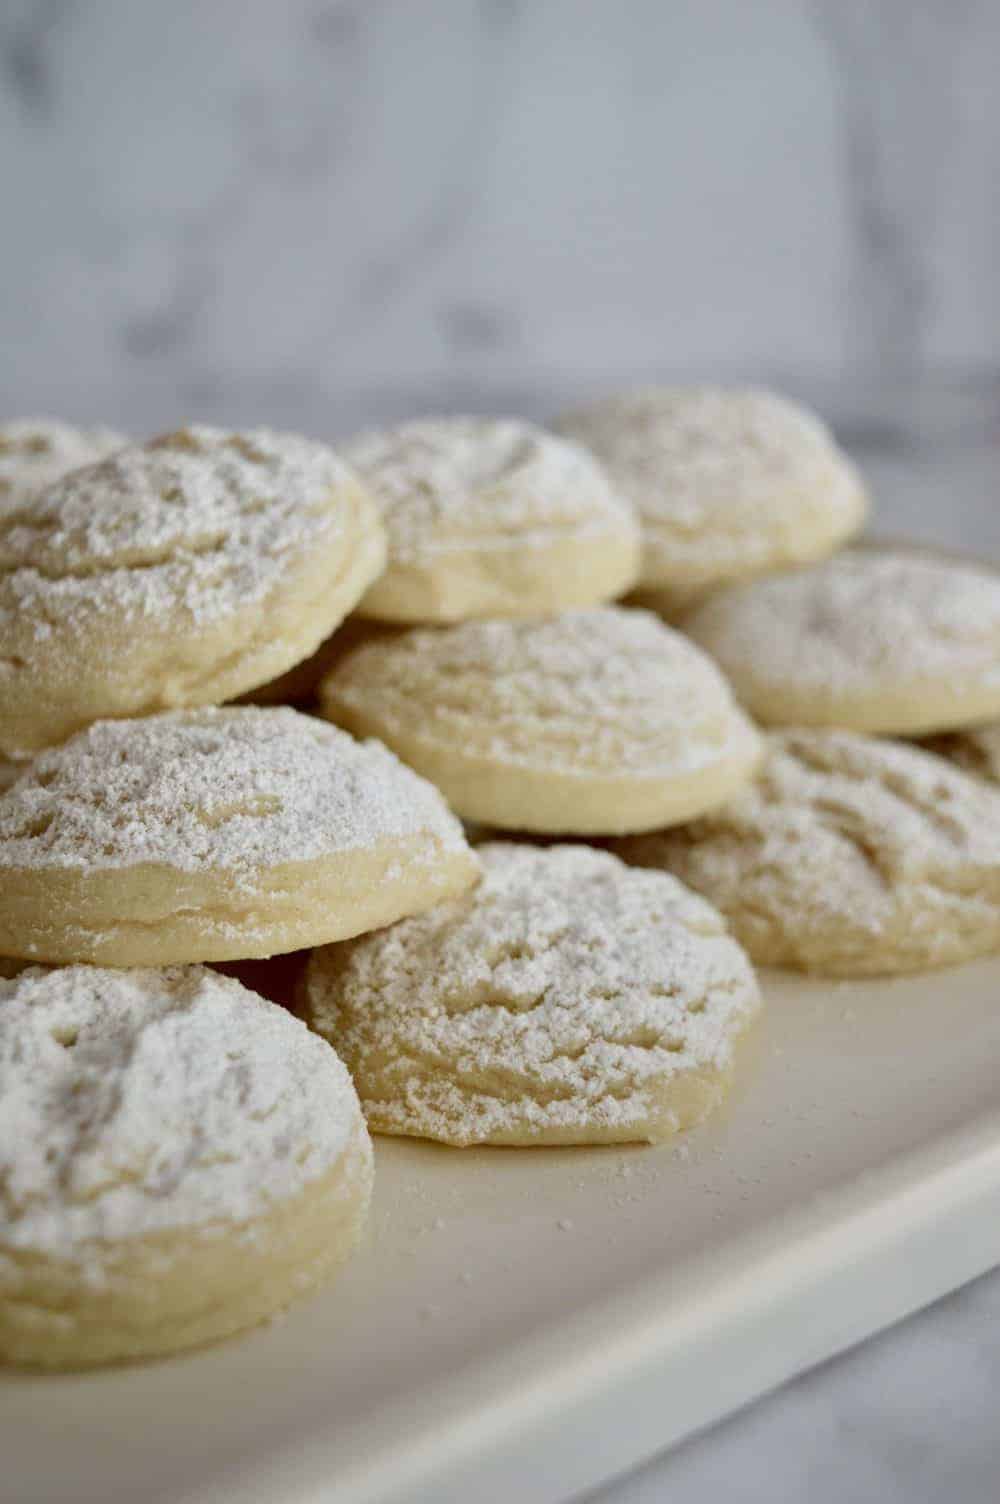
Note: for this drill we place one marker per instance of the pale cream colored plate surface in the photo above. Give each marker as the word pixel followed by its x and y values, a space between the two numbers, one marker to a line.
pixel 522 1324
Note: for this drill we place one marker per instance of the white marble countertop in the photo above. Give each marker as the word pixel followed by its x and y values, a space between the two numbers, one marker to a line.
pixel 910 1417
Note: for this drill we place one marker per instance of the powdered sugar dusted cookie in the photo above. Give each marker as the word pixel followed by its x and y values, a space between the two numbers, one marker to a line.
pixel 179 1160
pixel 595 722
pixel 492 518
pixel 566 1000
pixel 36 452
pixel 216 835
pixel 182 571
pixel 847 856
pixel 881 641
pixel 727 483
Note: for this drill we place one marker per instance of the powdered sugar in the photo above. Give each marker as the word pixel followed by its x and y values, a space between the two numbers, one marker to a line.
pixel 721 470
pixel 607 688
pixel 132 1102
pixel 564 993
pixel 238 789
pixel 199 521
pixel 36 452
pixel 452 483
pixel 863 621
pixel 847 854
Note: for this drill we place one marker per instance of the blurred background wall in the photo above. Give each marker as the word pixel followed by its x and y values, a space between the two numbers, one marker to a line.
pixel 315 213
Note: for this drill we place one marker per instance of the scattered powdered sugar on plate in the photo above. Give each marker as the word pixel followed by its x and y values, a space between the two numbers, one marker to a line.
pixel 565 992
pixel 605 688
pixel 238 789
pixel 36 452
pixel 132 1102
pixel 452 483
pixel 200 520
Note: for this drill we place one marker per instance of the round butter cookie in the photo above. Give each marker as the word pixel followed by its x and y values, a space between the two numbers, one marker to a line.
pixel 179 1159
pixel 492 518
pixel 847 856
pixel 36 452
pixel 596 722
pixel 727 483
pixel 878 641
pixel 567 1000
pixel 977 749
pixel 179 572
pixel 213 835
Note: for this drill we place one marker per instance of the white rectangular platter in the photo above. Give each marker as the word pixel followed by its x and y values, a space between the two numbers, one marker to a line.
pixel 524 1324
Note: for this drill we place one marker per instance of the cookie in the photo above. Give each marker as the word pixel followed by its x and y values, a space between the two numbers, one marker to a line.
pixel 596 722
pixel 491 518
pixel 566 1000
pixel 179 572
pixel 36 452
pixel 880 641
pixel 847 856
pixel 210 835
pixel 727 483
pixel 179 1159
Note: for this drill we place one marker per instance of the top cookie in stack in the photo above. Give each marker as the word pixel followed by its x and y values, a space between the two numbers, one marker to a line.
pixel 491 518
pixel 728 483
pixel 878 640
pixel 36 452
pixel 178 572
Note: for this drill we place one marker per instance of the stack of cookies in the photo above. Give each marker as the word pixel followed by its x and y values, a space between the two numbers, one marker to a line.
pixel 436 601
pixel 851 852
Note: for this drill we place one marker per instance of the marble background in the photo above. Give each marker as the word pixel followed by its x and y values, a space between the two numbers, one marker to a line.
pixel 908 1418
pixel 314 213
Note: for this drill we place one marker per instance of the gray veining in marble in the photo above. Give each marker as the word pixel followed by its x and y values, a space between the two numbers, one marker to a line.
pixel 908 1418
pixel 313 212
pixel 899 78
